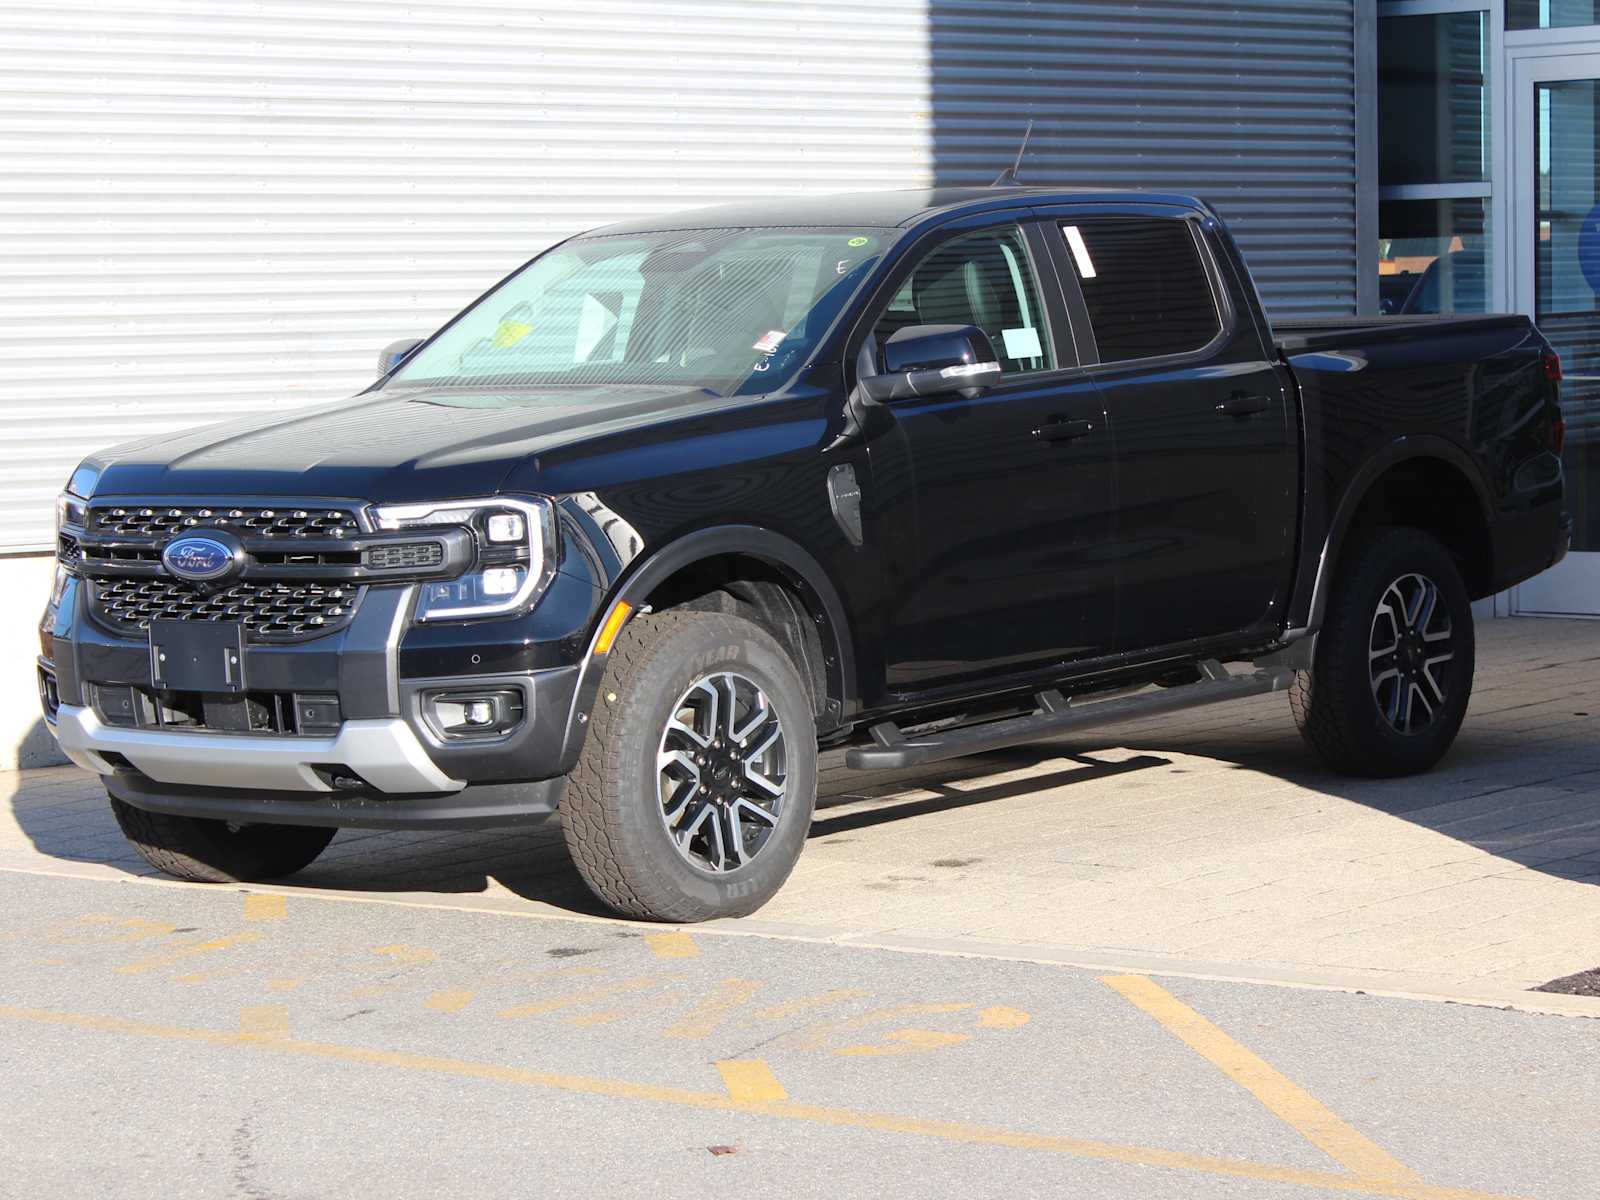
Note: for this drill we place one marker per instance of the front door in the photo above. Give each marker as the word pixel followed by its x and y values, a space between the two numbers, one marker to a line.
pixel 996 512
pixel 1555 258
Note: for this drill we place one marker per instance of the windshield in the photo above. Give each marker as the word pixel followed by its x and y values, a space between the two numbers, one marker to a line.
pixel 733 311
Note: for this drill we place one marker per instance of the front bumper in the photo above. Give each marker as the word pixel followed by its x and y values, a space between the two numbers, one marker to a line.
pixel 385 753
pixel 384 766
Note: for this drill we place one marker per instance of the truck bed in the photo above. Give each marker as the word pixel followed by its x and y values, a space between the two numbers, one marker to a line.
pixel 1310 334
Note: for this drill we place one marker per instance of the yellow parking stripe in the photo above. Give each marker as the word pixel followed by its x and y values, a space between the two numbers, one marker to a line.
pixel 178 953
pixel 953 1131
pixel 1289 1103
pixel 672 945
pixel 266 1020
pixel 264 906
pixel 751 1081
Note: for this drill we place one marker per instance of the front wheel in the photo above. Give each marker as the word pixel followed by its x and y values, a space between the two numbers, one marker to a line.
pixel 1393 670
pixel 693 794
pixel 209 851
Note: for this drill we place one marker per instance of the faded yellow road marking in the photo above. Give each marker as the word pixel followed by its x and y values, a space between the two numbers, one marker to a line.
pixel 1001 1017
pixel 178 953
pixel 640 1007
pixel 704 1017
pixel 131 929
pixel 284 985
pixel 448 1001
pixel 265 906
pixel 672 945
pixel 600 993
pixel 264 1020
pixel 1303 1112
pixel 791 1007
pixel 819 1035
pixel 751 1081
pixel 407 954
pixel 783 1109
pixel 907 1041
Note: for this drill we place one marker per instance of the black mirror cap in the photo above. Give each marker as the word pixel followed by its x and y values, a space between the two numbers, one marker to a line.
pixel 394 353
pixel 922 347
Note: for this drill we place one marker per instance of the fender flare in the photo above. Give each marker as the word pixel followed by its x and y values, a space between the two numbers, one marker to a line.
pixel 1401 450
pixel 786 555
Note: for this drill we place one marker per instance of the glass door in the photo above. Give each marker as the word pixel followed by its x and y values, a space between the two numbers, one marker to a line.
pixel 1556 254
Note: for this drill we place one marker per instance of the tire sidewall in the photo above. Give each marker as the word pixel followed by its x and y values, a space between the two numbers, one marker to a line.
pixel 686 653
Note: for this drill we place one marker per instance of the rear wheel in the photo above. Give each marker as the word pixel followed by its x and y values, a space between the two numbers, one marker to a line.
pixel 208 851
pixel 1393 671
pixel 695 788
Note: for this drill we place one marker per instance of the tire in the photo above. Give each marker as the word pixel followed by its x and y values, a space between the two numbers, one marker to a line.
pixel 665 699
pixel 207 851
pixel 1367 709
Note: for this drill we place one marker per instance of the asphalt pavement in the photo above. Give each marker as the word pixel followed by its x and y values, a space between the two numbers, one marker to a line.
pixel 159 1039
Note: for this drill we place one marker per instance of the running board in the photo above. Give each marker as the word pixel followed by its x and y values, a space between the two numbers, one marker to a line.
pixel 1056 714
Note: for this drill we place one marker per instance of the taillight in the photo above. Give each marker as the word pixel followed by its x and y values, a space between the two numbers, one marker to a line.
pixel 1551 361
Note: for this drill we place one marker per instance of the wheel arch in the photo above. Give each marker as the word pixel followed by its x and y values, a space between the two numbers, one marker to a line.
pixel 1425 481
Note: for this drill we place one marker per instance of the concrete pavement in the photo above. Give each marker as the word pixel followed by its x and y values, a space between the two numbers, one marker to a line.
pixel 1210 843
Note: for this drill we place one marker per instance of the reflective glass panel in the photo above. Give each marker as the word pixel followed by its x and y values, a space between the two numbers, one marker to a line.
pixel 1431 99
pixel 1551 14
pixel 1433 256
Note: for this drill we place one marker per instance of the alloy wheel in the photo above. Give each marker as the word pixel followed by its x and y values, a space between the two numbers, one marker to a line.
pixel 1409 652
pixel 721 772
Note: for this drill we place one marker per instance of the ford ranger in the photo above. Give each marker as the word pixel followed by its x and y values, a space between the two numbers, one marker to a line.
pixel 684 501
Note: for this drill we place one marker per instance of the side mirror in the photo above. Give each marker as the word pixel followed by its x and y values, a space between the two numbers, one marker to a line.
pixel 390 356
pixel 934 360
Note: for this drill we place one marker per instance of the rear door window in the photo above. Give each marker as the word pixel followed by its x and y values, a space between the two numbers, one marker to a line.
pixel 1145 285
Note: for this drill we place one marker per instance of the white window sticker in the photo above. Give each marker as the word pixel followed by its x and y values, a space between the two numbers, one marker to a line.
pixel 1022 343
pixel 1080 252
pixel 769 342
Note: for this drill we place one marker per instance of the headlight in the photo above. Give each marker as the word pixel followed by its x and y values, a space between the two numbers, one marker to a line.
pixel 516 554
pixel 71 510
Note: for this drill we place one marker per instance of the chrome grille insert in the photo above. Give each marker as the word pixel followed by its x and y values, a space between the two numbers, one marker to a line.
pixel 269 611
pixel 158 520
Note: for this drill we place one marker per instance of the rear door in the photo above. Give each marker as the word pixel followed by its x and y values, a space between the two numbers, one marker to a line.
pixel 1207 457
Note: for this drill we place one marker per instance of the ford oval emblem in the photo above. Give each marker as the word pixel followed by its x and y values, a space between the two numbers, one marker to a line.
pixel 198 559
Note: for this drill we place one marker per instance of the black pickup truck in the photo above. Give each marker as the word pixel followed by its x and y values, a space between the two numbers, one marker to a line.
pixel 682 502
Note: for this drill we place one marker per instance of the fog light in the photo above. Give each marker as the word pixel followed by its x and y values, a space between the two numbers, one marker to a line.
pixel 473 714
pixel 507 527
pixel 500 581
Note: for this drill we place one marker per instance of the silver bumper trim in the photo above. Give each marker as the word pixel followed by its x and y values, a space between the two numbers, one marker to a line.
pixel 386 753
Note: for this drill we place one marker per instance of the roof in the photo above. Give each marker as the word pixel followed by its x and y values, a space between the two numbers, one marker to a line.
pixel 876 209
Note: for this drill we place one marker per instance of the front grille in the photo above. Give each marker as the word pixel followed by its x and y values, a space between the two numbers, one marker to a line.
pixel 269 611
pixel 68 550
pixel 253 521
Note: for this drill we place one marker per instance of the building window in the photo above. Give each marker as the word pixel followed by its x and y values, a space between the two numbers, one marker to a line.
pixel 1433 122
pixel 1551 14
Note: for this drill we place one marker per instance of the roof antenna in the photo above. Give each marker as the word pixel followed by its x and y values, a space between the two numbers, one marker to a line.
pixel 1008 177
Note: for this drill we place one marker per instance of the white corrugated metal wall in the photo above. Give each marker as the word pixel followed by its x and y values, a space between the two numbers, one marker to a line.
pixel 213 207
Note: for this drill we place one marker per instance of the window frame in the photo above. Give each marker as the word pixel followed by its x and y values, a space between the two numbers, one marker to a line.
pixel 1058 216
pixel 1060 333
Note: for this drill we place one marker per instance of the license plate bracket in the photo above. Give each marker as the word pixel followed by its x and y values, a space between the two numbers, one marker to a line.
pixel 197 656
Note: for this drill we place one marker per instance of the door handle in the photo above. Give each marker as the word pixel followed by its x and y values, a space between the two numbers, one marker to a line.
pixel 1241 405
pixel 1064 431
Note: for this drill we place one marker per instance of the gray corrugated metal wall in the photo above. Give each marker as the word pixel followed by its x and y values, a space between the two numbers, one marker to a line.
pixel 210 208
pixel 1250 104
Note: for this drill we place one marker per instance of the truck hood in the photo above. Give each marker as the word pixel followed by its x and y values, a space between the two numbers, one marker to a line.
pixel 388 446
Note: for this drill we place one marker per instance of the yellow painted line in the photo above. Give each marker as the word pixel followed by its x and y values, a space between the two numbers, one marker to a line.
pixel 802 1004
pixel 265 1020
pixel 407 954
pixel 1001 1017
pixel 751 1081
pixel 265 906
pixel 713 1010
pixel 1293 1105
pixel 952 1131
pixel 604 992
pixel 448 1001
pixel 821 1034
pixel 907 1041
pixel 672 945
pixel 178 953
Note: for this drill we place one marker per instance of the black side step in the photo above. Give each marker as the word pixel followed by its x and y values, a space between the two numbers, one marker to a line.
pixel 1056 714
